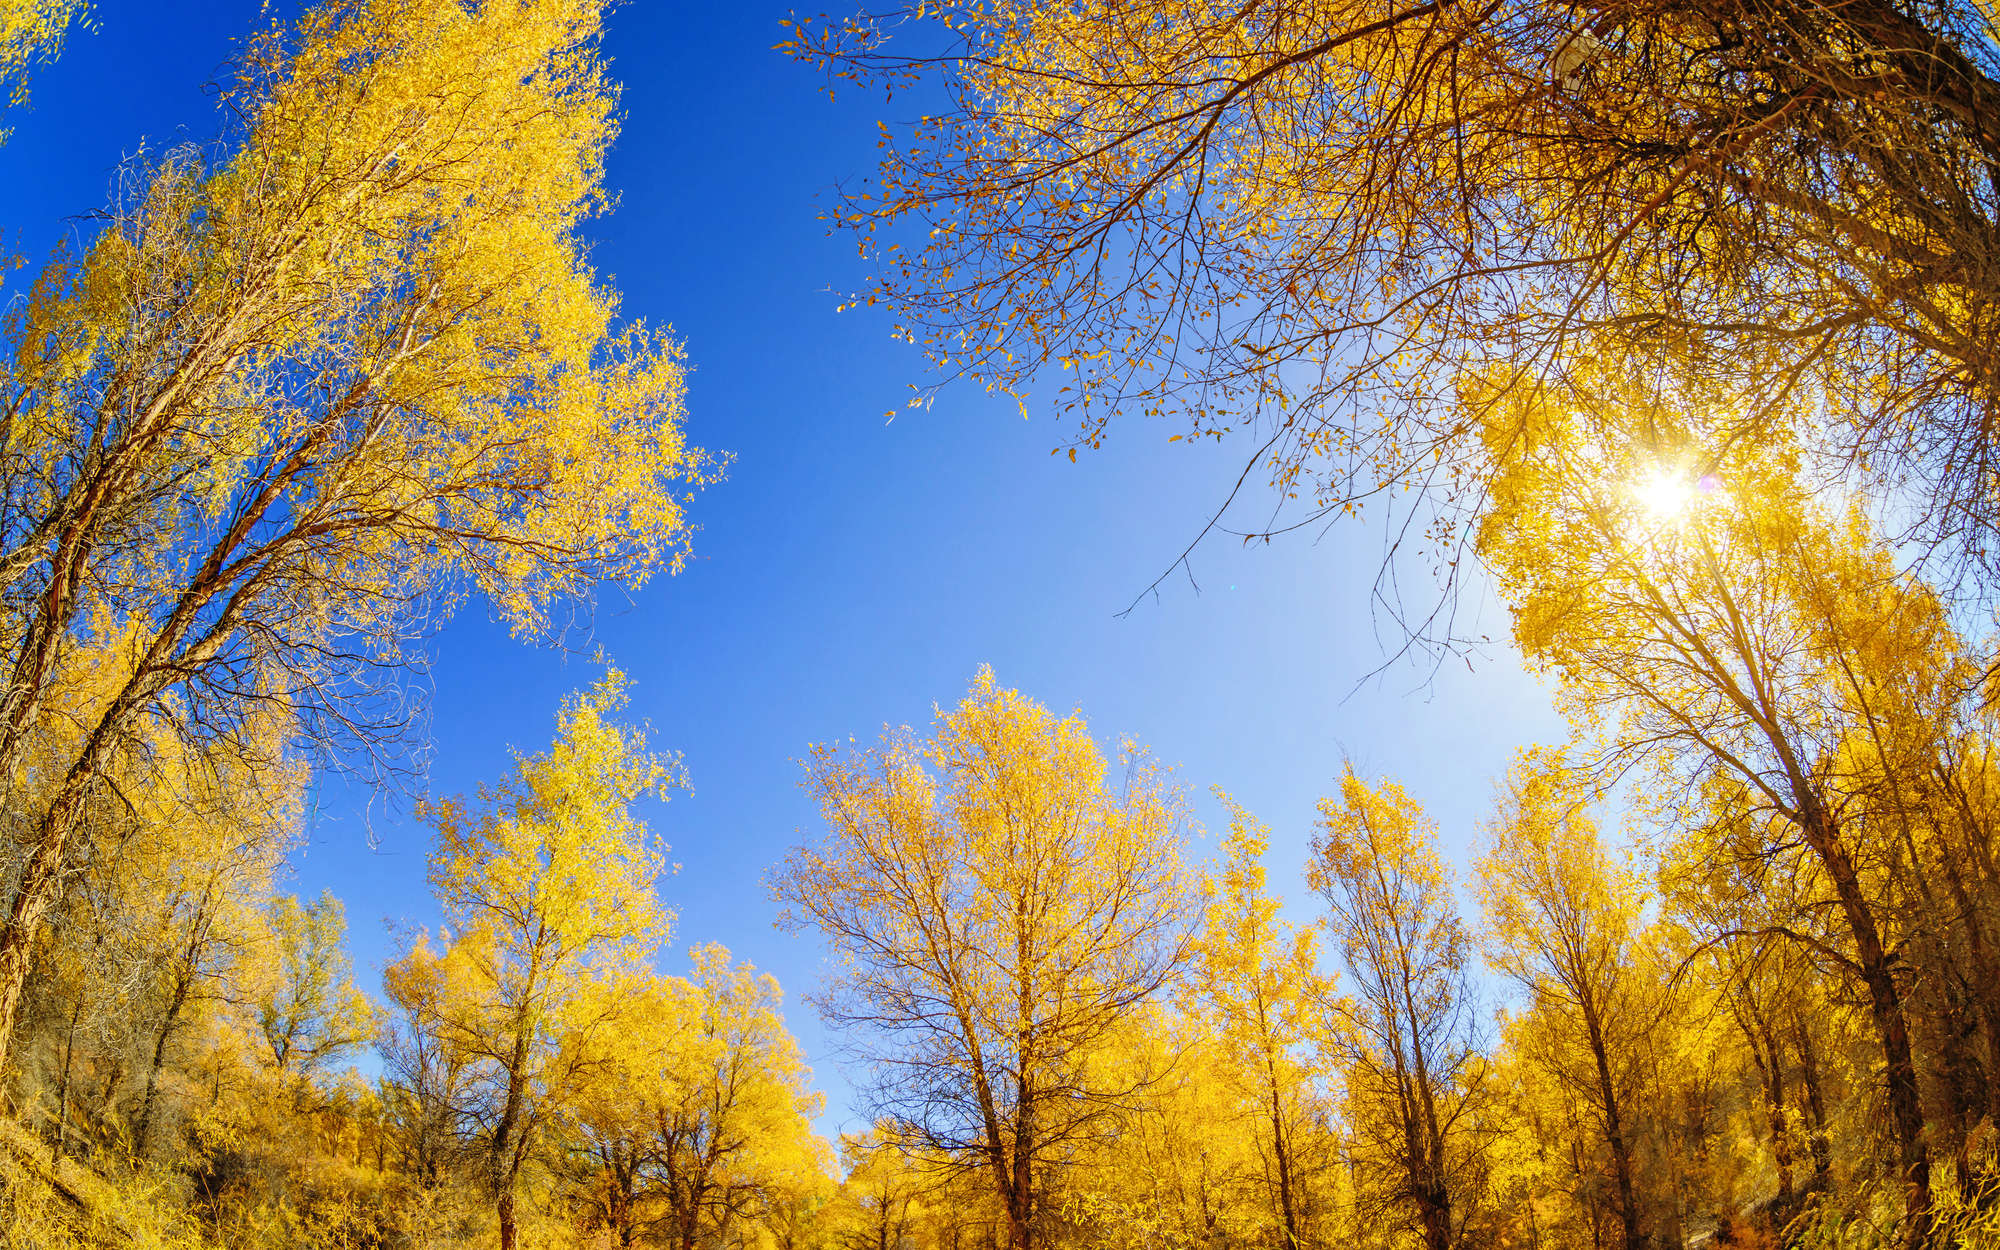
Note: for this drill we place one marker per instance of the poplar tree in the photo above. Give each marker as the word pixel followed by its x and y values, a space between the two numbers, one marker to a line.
pixel 997 904
pixel 308 390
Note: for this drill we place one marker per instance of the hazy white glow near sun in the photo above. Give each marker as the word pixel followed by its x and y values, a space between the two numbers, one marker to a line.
pixel 1664 495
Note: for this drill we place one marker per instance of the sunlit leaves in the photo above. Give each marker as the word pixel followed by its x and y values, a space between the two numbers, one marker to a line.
pixel 996 905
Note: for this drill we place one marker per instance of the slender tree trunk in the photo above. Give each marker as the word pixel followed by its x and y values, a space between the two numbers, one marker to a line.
pixel 62 1084
pixel 1769 1064
pixel 1019 1189
pixel 108 1098
pixel 143 1131
pixel 1433 1190
pixel 1614 1133
pixel 1885 1004
pixel 1282 1149
pixel 1816 1139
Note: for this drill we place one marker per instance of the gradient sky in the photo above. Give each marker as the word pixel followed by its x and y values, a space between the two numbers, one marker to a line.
pixel 852 571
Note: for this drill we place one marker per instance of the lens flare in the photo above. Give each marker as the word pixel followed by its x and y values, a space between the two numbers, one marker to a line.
pixel 1664 495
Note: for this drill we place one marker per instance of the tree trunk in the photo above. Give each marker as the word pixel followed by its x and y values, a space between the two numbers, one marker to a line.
pixel 144 1128
pixel 503 1207
pixel 37 889
pixel 1774 1107
pixel 1815 1102
pixel 1614 1133
pixel 621 1195
pixel 1985 981
pixel 1279 1147
pixel 504 1162
pixel 1885 1004
pixel 33 897
pixel 1020 1226
pixel 62 1085
pixel 1432 1189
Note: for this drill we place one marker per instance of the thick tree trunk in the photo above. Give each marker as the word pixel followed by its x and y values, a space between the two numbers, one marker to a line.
pixel 1436 1215
pixel 503 1207
pixel 505 1161
pixel 33 897
pixel 37 889
pixel 1020 1193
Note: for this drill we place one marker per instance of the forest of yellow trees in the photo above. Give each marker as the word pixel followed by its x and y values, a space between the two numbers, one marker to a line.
pixel 1670 326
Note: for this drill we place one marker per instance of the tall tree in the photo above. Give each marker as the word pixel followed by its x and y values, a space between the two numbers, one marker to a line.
pixel 996 905
pixel 549 887
pixel 1562 917
pixel 428 1079
pixel 701 1112
pixel 309 1013
pixel 1257 985
pixel 296 402
pixel 1727 631
pixel 1412 1062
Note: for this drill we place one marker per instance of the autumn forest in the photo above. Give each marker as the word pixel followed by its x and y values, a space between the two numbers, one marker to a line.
pixel 1650 345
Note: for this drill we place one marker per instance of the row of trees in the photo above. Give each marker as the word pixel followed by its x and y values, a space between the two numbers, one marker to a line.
pixel 1638 291
pixel 191 1030
pixel 1079 1036
pixel 1751 1028
pixel 1677 320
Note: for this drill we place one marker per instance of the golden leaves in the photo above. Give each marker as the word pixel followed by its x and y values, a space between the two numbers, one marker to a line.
pixel 554 857
pixel 31 31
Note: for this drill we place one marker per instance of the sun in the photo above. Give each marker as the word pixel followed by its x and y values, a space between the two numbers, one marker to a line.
pixel 1664 495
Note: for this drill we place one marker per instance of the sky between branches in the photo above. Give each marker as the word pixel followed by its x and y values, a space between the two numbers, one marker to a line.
pixel 852 571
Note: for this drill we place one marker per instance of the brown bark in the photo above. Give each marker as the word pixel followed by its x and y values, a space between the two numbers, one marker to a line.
pixel 33 897
pixel 1809 1078
pixel 145 1125
pixel 1614 1131
pixel 1985 982
pixel 504 1209
pixel 1770 1060
pixel 1288 1217
pixel 508 1146
pixel 1885 1004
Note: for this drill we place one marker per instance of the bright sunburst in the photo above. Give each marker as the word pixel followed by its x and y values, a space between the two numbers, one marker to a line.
pixel 1664 495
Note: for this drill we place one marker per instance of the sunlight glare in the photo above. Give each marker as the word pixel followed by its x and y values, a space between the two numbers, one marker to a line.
pixel 1665 495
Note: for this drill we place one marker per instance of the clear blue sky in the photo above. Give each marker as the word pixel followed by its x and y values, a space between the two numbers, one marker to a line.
pixel 851 572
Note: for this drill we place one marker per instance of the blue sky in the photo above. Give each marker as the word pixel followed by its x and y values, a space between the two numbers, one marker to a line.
pixel 852 571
